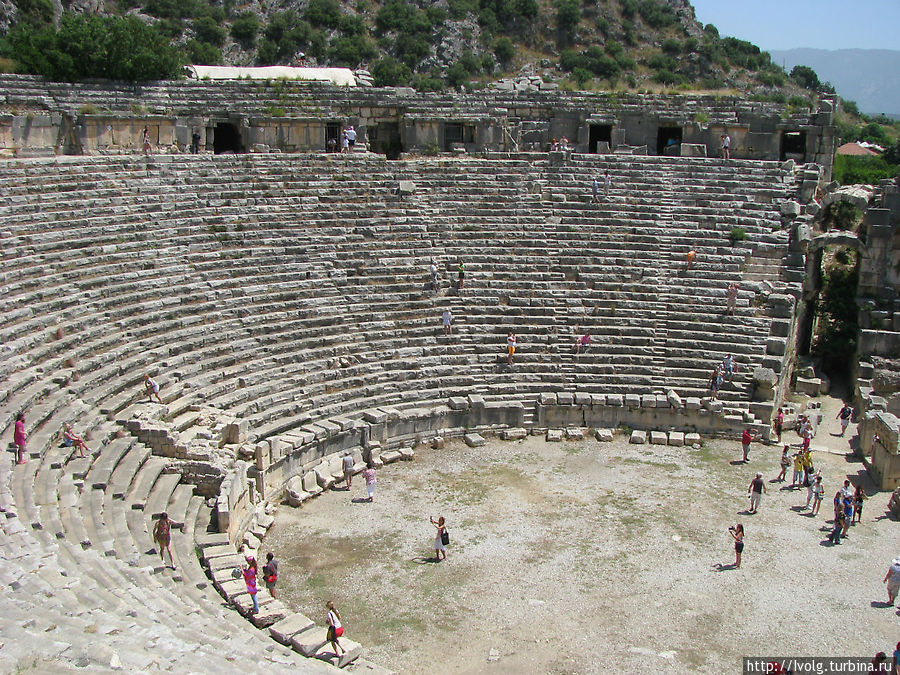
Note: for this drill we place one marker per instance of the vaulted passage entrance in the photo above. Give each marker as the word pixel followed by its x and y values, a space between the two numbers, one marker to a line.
pixel 668 141
pixel 226 138
pixel 599 133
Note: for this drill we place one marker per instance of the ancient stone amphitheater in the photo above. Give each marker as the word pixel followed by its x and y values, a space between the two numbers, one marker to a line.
pixel 283 303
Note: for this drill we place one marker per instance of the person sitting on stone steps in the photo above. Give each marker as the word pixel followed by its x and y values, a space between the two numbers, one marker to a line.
pixel 583 343
pixel 72 439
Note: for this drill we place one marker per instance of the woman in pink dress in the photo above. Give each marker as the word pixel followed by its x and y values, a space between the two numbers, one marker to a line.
pixel 19 438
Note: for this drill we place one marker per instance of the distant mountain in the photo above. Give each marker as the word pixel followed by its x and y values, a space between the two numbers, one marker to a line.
pixel 871 77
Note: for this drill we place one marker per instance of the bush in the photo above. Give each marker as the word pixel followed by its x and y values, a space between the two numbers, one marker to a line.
pixel 892 153
pixel 351 51
pixel 868 170
pixel 412 48
pixel 850 107
pixel 568 14
pixel 656 14
pixel 671 46
pixel 805 76
pixel 323 13
pixel 459 9
pixel 285 35
pixel 737 234
pixel 690 45
pixel 582 76
pixel 841 216
pixel 351 25
pixel 428 83
pixel 90 46
pixel 244 29
pixel 207 30
pixel 457 75
pixel 34 13
pixel 389 72
pixel 660 62
pixel 203 53
pixel 629 8
pixel 838 312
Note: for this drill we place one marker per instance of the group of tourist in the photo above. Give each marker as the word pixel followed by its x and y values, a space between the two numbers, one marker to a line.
pixel 721 372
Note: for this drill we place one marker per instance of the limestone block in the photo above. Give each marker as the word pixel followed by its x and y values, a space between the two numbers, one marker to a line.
pixel 458 403
pixel 474 440
pixel 476 401
pixel 658 437
pixel 676 439
pixel 565 398
pixel 514 434
pixel 309 641
pixel 391 456
pixel 548 398
pixel 289 626
pixel 790 208
pixel 787 165
pixel 294 492
pixel 407 454
pixel 438 443
pixel 713 405
pixel 614 400
pixel 554 435
pixel 598 399
pixel 764 381
pixel 776 346
pixel 638 437
pixel 648 401
pixel 808 385
pixel 674 399
pixel 323 476
pixel 406 187
pixel 582 398
pixel 782 306
pixel 574 434
pixel 632 400
pixel 310 484
pixel 353 652
pixel 691 438
pixel 375 416
pixel 269 614
pixel 604 435
pixel 692 403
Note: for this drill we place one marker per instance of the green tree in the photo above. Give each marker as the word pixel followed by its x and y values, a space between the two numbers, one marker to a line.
pixel 203 53
pixel 244 29
pixel 805 76
pixel 207 30
pixel 505 50
pixel 389 72
pixel 323 13
pixel 568 15
pixel 34 13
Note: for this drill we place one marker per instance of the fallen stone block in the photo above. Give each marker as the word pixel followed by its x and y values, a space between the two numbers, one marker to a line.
pixel 676 439
pixel 692 438
pixel 390 456
pixel 658 437
pixel 674 399
pixel 407 454
pixel 269 614
pixel 309 641
pixel 474 440
pixel 554 435
pixel 574 434
pixel 514 434
pixel 604 435
pixel 638 437
pixel 438 443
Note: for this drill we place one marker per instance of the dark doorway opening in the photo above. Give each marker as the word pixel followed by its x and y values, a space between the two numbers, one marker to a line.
pixel 457 133
pixel 668 141
pixel 793 145
pixel 599 133
pixel 226 138
pixel 386 139
pixel 332 136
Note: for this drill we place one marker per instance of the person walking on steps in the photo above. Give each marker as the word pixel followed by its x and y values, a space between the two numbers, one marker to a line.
pixel 460 274
pixel 755 491
pixel 779 423
pixel 162 535
pixel 434 276
pixel 844 414
pixel 441 538
pixel 335 628
pixel 249 574
pixel 512 342
pixel 447 321
pixel 737 533
pixel 595 191
pixel 892 579
pixel 732 295
pixel 20 438
pixel 152 388
pixel 270 573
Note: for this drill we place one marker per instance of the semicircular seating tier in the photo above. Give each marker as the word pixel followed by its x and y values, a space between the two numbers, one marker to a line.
pixel 284 289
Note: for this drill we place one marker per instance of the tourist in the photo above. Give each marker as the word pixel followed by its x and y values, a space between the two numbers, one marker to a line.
pixel 583 343
pixel 434 276
pixel 755 491
pixel 72 439
pixel 879 664
pixel 892 579
pixel 369 475
pixel 715 383
pixel 858 497
pixel 737 532
pixel 732 295
pixel 729 367
pixel 270 573
pixel 726 146
pixel 844 415
pixel 847 511
pixel 895 667
pixel 152 389
pixel 847 489
pixel 512 342
pixel 837 504
pixel 563 143
pixel 195 143
pixel 785 463
pixel 554 145
pixel 810 491
pixel 746 439
pixel 345 142
pixel 335 628
pixel 145 141
pixel 162 535
pixel 441 538
pixel 331 144
pixel 461 274
pixel 779 424
pixel 808 468
pixel 818 493
pixel 347 463
pixel 606 183
pixel 595 191
pixel 20 438
pixel 797 480
pixel 249 574
pixel 691 256
pixel 447 320
pixel 351 138
pixel 835 536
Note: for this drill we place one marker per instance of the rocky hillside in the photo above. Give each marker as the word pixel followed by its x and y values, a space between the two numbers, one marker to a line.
pixel 583 44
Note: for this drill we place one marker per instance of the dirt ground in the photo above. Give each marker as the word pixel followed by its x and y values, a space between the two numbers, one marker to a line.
pixel 588 557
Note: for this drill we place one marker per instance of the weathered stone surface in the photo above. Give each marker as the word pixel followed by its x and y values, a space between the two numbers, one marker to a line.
pixel 632 400
pixel 638 437
pixel 676 439
pixel 692 403
pixel 691 438
pixel 604 435
pixel 513 434
pixel 658 438
pixel 288 627
pixel 674 399
pixel 474 440
pixel 614 400
pixel 574 434
pixel 790 208
pixel 565 398
pixel 554 435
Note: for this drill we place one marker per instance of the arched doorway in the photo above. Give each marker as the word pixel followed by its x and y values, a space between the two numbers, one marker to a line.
pixel 227 138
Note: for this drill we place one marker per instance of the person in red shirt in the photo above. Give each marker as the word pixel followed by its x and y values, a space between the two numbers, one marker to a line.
pixel 746 439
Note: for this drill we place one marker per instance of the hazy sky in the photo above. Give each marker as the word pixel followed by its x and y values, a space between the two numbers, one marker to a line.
pixel 824 24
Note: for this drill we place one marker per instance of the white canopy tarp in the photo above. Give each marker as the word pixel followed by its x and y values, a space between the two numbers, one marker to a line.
pixel 343 77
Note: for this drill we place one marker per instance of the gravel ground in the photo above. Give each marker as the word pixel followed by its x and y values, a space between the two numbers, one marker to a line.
pixel 588 557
